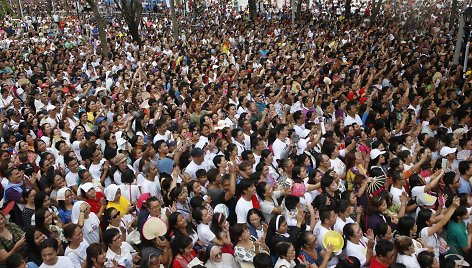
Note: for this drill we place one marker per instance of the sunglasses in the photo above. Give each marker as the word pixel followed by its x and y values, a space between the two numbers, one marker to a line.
pixel 116 215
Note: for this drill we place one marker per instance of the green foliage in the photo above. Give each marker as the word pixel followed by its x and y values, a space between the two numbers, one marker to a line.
pixel 5 8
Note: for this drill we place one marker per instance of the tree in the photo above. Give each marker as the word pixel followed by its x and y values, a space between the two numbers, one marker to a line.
pixel 132 11
pixel 452 19
pixel 252 9
pixel 347 8
pixel 375 9
pixel 101 28
pixel 49 3
pixel 4 8
pixel 175 25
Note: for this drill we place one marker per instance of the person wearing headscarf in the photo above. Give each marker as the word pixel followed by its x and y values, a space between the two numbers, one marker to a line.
pixel 116 200
pixel 218 259
pixel 87 220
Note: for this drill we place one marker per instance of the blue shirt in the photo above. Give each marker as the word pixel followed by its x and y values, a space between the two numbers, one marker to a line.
pixel 465 187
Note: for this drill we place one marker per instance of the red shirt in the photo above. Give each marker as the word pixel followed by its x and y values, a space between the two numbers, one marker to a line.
pixel 374 263
pixel 95 204
pixel 182 262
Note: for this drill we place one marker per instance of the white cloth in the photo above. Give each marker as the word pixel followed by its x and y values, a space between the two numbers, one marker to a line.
pixel 205 234
pixel 78 255
pixel 91 228
pixel 242 207
pixel 125 259
pixel 62 261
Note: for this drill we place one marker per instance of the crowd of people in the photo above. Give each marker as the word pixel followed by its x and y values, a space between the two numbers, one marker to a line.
pixel 338 143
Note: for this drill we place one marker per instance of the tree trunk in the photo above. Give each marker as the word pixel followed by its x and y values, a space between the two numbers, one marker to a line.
pixel 67 6
pixel 347 9
pixel 175 26
pixel 252 9
pixel 452 19
pixel 101 28
pixel 50 8
pixel 375 10
pixel 132 11
pixel 299 9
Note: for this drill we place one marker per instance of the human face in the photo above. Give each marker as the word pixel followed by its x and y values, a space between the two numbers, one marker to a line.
pixel 389 235
pixel 78 236
pixel 68 196
pixel 154 262
pixel 283 227
pixel 155 209
pixel 117 196
pixel 383 207
pixel 206 217
pixel 290 254
pixel 388 258
pixel 255 220
pixel 188 249
pixel 216 254
pixel 39 237
pixel 181 221
pixel 182 196
pixel 116 240
pixel 49 256
pixel 48 218
pixel 197 188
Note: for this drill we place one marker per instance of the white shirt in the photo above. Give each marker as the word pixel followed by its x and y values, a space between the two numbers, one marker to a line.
pixel 72 179
pixel 205 234
pixel 280 149
pixel 91 229
pixel 409 261
pixel 131 192
pixel 126 257
pixel 339 225
pixel 192 168
pixel 396 193
pixel 78 255
pixel 349 120
pixel 62 261
pixel 358 251
pixel 151 187
pixel 242 207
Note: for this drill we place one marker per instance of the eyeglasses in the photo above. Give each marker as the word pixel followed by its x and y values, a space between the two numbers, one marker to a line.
pixel 116 215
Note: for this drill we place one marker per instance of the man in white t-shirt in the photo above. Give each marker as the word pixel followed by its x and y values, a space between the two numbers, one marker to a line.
pixel 352 117
pixel 245 203
pixel 327 219
pixel 197 163
pixel 282 145
pixel 48 249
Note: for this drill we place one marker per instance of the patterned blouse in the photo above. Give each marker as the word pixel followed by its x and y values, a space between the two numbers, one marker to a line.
pixel 8 245
pixel 242 254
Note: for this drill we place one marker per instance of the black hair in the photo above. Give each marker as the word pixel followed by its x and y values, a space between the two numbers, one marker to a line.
pixel 381 229
pixel 93 251
pixel 405 226
pixel 349 262
pixel 253 211
pixel 179 243
pixel 282 248
pixel 383 247
pixel 197 214
pixel 49 243
pixel 108 235
pixel 262 260
pixel 69 230
pixel 425 259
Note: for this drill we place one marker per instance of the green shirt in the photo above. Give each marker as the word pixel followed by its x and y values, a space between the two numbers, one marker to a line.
pixel 457 237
